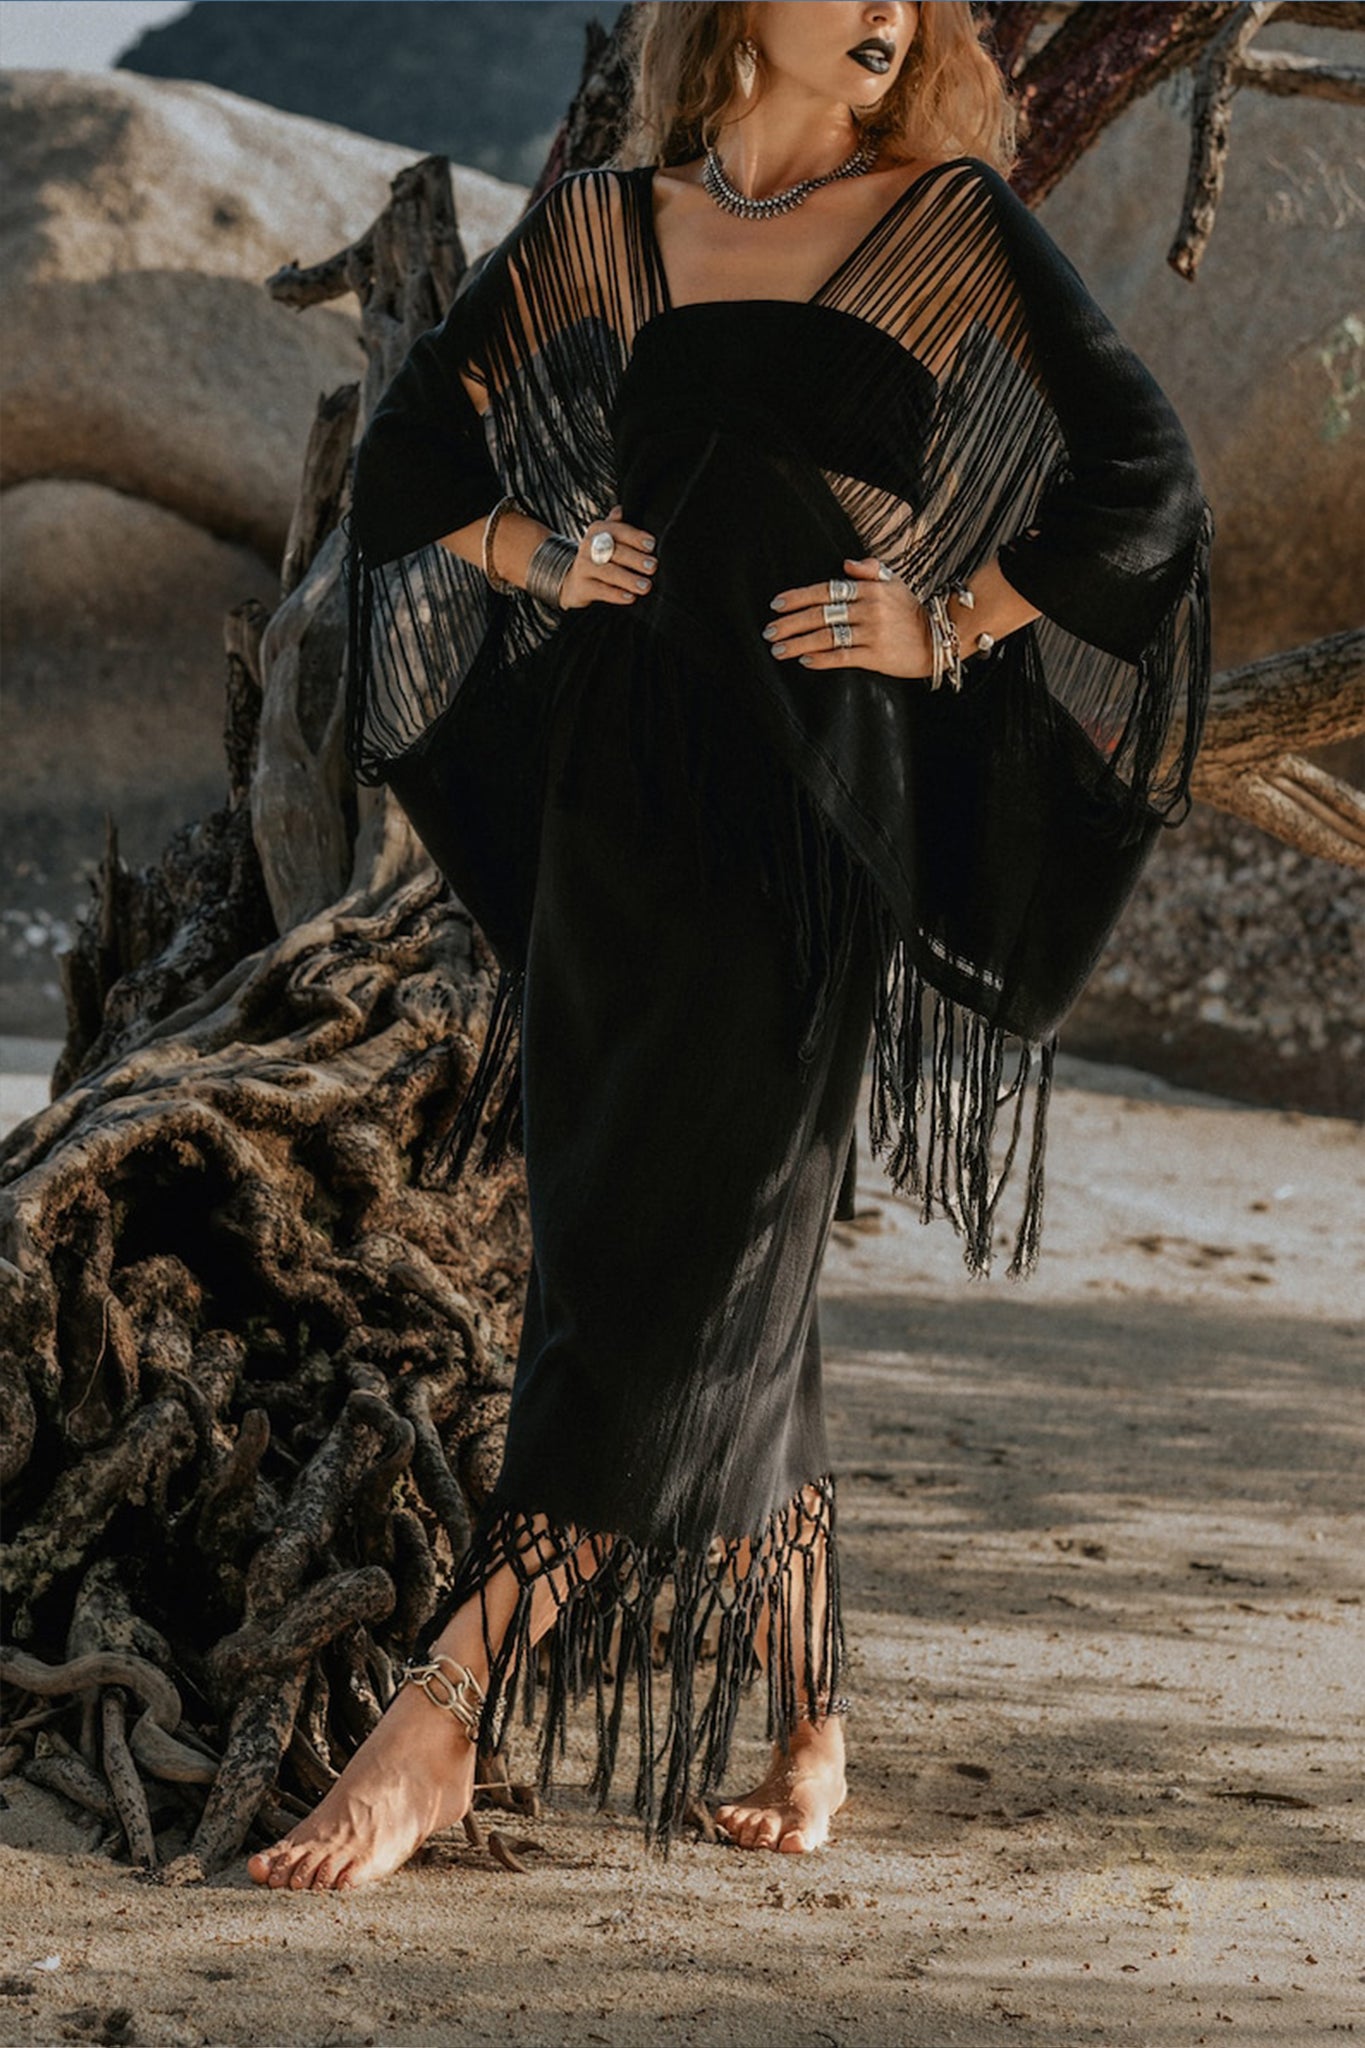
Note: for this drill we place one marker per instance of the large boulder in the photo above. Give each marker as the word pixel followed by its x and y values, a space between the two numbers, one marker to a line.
pixel 1262 355
pixel 155 404
pixel 139 347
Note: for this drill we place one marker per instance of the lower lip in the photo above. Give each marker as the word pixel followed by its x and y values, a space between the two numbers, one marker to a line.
pixel 878 65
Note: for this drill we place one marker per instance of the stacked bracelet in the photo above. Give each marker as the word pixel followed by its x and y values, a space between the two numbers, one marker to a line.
pixel 490 527
pixel 947 654
pixel 549 566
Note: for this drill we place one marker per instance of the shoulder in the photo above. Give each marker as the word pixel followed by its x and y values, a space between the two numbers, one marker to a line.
pixel 594 185
pixel 1010 223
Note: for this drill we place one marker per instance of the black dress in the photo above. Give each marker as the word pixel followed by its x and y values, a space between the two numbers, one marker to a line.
pixel 689 1075
pixel 713 887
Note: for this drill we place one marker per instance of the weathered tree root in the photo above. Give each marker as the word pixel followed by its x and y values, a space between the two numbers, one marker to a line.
pixel 248 1345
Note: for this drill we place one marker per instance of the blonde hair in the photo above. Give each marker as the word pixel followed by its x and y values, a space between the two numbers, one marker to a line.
pixel 950 97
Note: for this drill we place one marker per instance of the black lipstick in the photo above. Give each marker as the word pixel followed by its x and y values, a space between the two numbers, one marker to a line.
pixel 874 54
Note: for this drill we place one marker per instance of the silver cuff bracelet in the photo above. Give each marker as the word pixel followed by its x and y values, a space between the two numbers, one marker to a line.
pixel 548 567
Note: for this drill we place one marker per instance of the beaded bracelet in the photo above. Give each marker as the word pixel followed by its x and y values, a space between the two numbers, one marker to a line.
pixel 490 527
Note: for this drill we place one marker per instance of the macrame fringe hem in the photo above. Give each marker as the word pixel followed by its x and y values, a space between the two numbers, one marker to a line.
pixel 629 1615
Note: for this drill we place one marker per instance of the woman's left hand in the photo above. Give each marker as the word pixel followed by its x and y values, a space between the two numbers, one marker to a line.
pixel 890 628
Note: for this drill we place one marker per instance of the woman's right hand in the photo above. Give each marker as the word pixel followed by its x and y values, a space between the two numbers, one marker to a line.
pixel 628 575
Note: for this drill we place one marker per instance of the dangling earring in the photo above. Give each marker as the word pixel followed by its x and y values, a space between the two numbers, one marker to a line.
pixel 746 66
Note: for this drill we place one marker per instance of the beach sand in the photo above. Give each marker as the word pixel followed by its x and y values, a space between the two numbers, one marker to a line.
pixel 1102 1567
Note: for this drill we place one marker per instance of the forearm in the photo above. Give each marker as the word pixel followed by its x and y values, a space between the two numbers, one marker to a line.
pixel 999 608
pixel 515 540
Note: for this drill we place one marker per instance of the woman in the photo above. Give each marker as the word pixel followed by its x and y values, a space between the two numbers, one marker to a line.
pixel 780 603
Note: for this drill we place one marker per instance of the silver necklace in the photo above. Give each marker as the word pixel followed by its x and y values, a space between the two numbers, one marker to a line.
pixel 725 195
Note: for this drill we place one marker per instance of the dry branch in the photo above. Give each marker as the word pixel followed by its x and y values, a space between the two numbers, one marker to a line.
pixel 1286 74
pixel 1261 718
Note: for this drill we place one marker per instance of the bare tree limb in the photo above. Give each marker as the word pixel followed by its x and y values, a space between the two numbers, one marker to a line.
pixel 1216 79
pixel 1287 74
pixel 1260 717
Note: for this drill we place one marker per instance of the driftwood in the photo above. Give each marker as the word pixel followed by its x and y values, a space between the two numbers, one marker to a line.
pixel 252 1371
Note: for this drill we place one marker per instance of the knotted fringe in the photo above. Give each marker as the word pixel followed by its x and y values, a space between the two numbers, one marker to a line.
pixel 951 1126
pixel 626 1614
pixel 1171 695
pixel 948 1128
pixel 497 1072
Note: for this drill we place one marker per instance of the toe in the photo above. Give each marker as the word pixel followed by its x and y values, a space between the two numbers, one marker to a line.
pixel 324 1873
pixel 305 1871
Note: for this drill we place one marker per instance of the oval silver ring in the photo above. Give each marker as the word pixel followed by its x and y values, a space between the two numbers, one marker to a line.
pixel 834 613
pixel 841 589
pixel 602 547
pixel 843 635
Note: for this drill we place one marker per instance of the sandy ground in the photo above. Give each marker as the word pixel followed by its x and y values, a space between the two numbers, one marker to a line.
pixel 1103 1575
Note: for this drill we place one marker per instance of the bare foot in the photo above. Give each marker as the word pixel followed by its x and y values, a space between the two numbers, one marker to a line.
pixel 413 1774
pixel 792 1809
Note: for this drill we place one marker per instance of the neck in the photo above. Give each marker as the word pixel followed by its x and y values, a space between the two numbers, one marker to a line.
pixel 784 138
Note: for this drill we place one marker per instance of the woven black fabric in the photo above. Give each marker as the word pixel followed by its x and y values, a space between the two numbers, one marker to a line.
pixel 711 879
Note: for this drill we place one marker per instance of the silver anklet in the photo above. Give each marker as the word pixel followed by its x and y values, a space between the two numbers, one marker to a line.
pixel 840 1705
pixel 463 1696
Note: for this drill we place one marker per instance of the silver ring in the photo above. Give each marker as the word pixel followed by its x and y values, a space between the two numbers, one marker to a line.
pixel 843 635
pixel 835 612
pixel 602 547
pixel 884 575
pixel 841 589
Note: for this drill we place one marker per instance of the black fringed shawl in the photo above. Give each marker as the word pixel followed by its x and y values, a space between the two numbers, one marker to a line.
pixel 1003 827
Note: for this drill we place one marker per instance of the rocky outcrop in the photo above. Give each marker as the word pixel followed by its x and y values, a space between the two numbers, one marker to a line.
pixel 155 403
pixel 139 346
pixel 1263 354
pixel 483 83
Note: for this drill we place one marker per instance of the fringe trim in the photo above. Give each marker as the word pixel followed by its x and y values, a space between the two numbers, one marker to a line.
pixel 949 1133
pixel 629 1612
pixel 497 1072
pixel 938 1125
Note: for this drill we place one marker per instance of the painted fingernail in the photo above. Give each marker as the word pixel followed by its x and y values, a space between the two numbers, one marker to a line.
pixel 647 541
pixel 804 660
pixel 650 562
pixel 778 648
pixel 642 583
pixel 771 632
pixel 777 604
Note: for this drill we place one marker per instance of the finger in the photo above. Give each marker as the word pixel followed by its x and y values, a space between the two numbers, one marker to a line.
pixel 803 597
pixel 806 594
pixel 608 593
pixel 622 576
pixel 810 625
pixel 869 568
pixel 630 536
pixel 836 657
pixel 631 559
pixel 805 646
